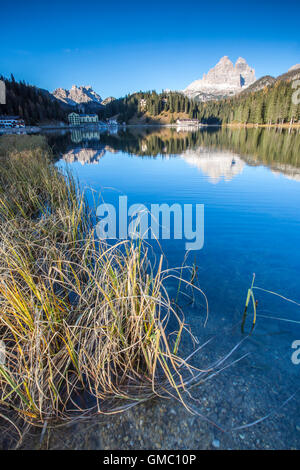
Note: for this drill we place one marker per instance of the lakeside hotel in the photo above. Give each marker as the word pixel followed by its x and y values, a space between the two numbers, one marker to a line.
pixel 77 119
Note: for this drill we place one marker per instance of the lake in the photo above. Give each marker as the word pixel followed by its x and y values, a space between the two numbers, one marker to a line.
pixel 249 183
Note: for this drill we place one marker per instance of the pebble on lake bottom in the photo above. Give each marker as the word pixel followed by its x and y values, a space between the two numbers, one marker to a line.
pixel 216 443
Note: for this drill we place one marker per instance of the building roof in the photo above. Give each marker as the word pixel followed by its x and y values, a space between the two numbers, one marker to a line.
pixel 82 115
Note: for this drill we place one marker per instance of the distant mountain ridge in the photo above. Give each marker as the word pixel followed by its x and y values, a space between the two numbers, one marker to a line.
pixel 248 104
pixel 294 67
pixel 292 74
pixel 77 95
pixel 108 100
pixel 265 81
pixel 223 80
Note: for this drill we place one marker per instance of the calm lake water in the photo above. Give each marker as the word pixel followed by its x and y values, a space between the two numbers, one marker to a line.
pixel 249 183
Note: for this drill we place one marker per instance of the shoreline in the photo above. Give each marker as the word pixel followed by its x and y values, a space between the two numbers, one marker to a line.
pixel 41 129
pixel 266 126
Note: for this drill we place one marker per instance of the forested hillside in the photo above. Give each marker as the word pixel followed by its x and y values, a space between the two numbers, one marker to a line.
pixel 30 103
pixel 271 105
pixel 152 105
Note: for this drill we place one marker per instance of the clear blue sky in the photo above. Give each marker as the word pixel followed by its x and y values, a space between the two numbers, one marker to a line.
pixel 121 47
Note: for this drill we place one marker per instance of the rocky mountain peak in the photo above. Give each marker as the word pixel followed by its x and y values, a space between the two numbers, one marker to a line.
pixel 225 79
pixel 108 100
pixel 241 60
pixel 225 60
pixel 247 74
pixel 77 95
pixel 223 64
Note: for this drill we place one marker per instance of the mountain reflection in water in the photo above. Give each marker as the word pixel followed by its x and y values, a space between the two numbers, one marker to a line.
pixel 219 153
pixel 216 165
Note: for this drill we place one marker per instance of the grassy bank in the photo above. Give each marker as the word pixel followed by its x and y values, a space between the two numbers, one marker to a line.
pixel 13 144
pixel 84 324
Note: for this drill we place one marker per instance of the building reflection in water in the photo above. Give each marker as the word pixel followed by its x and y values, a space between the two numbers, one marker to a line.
pixel 81 135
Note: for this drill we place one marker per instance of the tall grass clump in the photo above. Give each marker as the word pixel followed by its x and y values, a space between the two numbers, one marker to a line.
pixel 84 323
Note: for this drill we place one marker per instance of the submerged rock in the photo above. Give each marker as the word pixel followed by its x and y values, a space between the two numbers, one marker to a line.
pixel 216 443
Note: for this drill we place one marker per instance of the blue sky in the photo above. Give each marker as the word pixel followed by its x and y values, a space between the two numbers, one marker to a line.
pixel 122 47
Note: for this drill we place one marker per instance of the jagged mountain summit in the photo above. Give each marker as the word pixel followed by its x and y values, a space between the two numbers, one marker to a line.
pixel 77 95
pixel 223 80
